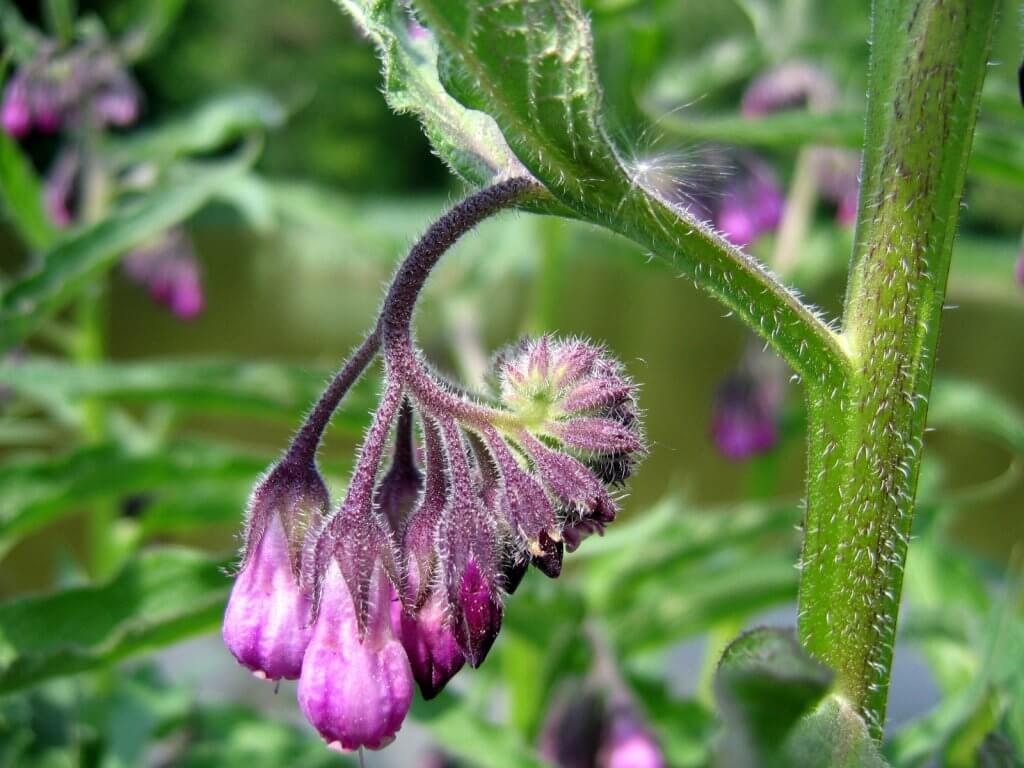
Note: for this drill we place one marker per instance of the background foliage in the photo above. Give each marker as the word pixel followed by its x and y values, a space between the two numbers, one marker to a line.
pixel 301 190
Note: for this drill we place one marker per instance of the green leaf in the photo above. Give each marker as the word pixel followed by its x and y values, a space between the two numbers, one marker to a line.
pixel 468 141
pixel 208 127
pixel 463 733
pixel 68 265
pixel 765 683
pixel 21 37
pixel 529 64
pixel 249 388
pixel 22 195
pixel 959 404
pixel 159 598
pixel 39 492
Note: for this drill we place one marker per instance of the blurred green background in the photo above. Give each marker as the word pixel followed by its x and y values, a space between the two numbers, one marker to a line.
pixel 295 257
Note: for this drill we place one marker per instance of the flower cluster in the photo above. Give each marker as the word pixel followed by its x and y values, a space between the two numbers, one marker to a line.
pixel 87 83
pixel 403 582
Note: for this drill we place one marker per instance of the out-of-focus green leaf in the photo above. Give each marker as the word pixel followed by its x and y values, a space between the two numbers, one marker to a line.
pixel 23 195
pixel 685 728
pixel 40 491
pixel 233 737
pixel 765 683
pixel 206 128
pixel 69 264
pixel 159 598
pixel 21 37
pixel 541 643
pixel 463 733
pixel 963 405
pixel 147 24
pixel 250 388
pixel 713 592
pixel 468 141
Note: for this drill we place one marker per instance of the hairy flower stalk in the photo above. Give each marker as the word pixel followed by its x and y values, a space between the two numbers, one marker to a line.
pixel 405 580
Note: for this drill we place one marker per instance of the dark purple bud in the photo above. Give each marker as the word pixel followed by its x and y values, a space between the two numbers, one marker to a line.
pixel 549 559
pixel 744 421
pixel 46 105
pixel 795 84
pixel 470 550
pixel 513 571
pixel 571 735
pixel 627 743
pixel 400 487
pixel 479 618
pixel 593 434
pixel 434 654
pixel 267 616
pixel 355 687
pixel 15 114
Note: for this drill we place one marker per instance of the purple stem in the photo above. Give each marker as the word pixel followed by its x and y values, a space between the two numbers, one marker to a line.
pixel 303 448
pixel 396 316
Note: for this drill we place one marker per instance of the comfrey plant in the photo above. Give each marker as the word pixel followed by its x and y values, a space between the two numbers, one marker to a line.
pixel 404 581
pixel 508 94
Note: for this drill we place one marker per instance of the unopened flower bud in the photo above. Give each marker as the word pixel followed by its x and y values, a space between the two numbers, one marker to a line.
pixel 398 490
pixel 168 268
pixel 434 654
pixel 15 114
pixel 627 743
pixel 794 84
pixel 267 616
pixel 356 687
pixel 747 408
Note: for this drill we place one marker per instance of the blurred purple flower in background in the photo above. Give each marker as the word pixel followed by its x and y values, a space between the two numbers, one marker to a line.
pixel 85 84
pixel 168 268
pixel 747 407
pixel 752 206
pixel 60 185
pixel 584 729
pixel 803 85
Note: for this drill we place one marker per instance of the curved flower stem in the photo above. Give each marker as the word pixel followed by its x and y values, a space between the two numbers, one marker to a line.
pixel 305 443
pixel 396 315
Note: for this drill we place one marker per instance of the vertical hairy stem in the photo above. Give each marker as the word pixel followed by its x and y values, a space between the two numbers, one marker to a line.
pixel 928 64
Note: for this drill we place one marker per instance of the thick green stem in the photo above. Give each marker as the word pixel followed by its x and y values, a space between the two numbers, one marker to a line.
pixel 928 64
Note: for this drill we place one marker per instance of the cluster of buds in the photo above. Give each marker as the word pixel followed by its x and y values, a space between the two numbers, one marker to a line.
pixel 405 580
pixel 86 83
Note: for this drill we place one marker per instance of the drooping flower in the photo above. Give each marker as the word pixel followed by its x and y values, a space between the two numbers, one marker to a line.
pixel 15 113
pixel 434 654
pixel 267 617
pixel 588 727
pixel 356 684
pixel 627 742
pixel 747 407
pixel 59 187
pixel 169 270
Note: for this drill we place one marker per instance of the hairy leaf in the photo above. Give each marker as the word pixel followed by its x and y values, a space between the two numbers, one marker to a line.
pixel 765 683
pixel 468 141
